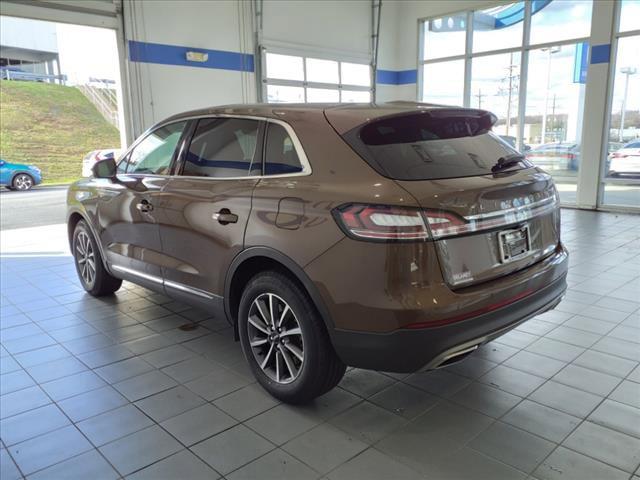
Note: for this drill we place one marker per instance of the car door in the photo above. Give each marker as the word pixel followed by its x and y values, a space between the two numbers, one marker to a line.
pixel 4 173
pixel 207 205
pixel 128 206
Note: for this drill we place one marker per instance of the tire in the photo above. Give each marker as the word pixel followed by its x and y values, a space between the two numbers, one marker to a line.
pixel 286 376
pixel 22 182
pixel 93 276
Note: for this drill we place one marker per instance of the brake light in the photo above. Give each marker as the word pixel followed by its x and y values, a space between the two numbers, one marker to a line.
pixel 382 222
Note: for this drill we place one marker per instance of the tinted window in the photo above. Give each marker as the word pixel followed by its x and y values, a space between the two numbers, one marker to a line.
pixel 434 145
pixel 153 155
pixel 280 156
pixel 223 147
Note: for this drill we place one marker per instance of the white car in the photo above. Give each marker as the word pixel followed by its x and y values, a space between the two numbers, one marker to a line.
pixel 91 158
pixel 626 161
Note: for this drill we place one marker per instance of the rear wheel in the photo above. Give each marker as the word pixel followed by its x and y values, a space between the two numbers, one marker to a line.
pixel 22 182
pixel 285 340
pixel 94 277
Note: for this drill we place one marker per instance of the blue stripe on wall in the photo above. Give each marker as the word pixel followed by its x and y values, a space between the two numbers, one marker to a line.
pixel 176 55
pixel 394 77
pixel 600 53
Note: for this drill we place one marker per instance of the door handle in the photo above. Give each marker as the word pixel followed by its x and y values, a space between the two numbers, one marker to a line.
pixel 144 206
pixel 225 217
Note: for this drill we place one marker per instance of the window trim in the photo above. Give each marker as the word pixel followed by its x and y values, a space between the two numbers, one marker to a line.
pixel 304 160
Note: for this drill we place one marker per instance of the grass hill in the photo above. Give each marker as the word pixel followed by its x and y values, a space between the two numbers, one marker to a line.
pixel 52 127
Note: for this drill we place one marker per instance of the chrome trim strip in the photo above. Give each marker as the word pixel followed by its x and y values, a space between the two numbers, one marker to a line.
pixel 499 213
pixel 191 290
pixel 131 271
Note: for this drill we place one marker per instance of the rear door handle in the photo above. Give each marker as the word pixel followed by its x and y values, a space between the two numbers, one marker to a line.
pixel 225 217
pixel 144 206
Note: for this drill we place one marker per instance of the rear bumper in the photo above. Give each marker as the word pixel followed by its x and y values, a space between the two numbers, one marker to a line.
pixel 406 350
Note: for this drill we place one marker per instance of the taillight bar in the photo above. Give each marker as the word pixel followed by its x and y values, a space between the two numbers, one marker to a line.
pixel 387 223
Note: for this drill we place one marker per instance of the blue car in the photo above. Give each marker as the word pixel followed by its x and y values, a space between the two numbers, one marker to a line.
pixel 15 176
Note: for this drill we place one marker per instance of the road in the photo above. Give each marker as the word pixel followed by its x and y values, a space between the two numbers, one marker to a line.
pixel 34 208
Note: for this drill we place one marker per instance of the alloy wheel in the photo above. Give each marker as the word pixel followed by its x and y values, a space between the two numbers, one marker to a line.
pixel 23 182
pixel 85 258
pixel 275 338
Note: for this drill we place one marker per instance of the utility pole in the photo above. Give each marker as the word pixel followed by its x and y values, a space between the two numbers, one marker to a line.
pixel 479 97
pixel 550 51
pixel 628 71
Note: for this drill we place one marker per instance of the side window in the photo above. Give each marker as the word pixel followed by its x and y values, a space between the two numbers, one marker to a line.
pixel 280 153
pixel 153 155
pixel 223 147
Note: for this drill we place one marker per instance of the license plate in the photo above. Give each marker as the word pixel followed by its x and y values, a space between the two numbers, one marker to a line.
pixel 514 243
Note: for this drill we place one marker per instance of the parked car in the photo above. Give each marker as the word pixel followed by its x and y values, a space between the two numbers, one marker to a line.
pixel 513 141
pixel 555 156
pixel 94 156
pixel 398 237
pixel 626 160
pixel 16 176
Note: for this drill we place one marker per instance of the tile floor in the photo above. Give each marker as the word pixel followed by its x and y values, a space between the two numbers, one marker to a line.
pixel 115 388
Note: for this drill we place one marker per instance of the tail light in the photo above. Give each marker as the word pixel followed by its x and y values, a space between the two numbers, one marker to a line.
pixel 381 222
pixel 386 223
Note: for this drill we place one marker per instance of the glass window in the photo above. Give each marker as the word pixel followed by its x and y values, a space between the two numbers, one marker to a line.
pixel 553 117
pixel 355 96
pixel 322 95
pixel 223 147
pixel 498 26
pixel 495 84
pixel 560 20
pixel 286 67
pixel 622 164
pixel 355 74
pixel 629 15
pixel 322 71
pixel 443 82
pixel 280 154
pixel 445 37
pixel 424 147
pixel 154 154
pixel 285 94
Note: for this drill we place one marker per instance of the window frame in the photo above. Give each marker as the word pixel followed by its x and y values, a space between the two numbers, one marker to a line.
pixel 302 156
pixel 525 47
pixel 304 84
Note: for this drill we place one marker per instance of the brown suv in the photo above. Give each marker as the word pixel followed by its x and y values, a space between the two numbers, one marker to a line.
pixel 395 237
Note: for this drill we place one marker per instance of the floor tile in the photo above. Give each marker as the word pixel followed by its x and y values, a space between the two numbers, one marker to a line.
pixel 367 422
pixel 198 424
pixel 282 423
pixel 627 392
pixel 324 447
pixel 8 469
pixel 246 402
pixel 373 465
pixel 116 372
pixel 587 380
pixel 609 446
pixel 145 385
pixel 276 465
pixel 566 399
pixel 222 453
pixel 169 403
pixel 22 401
pixel 565 464
pixel 605 363
pixel 543 421
pixel 114 424
pixel 404 400
pixel 31 424
pixel 512 381
pixel 45 450
pixel 72 385
pixel 140 449
pixel 217 384
pixel 89 404
pixel 181 465
pixel 87 465
pixel 617 416
pixel 486 399
pixel 513 446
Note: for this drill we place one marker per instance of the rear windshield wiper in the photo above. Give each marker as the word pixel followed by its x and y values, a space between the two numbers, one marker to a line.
pixel 508 161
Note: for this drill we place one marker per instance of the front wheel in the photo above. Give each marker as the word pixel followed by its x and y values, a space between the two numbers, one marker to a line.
pixel 285 341
pixel 22 182
pixel 93 276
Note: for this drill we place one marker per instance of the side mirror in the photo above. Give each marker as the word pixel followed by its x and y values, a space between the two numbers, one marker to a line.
pixel 105 169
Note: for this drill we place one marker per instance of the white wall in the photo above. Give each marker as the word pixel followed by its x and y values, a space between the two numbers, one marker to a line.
pixel 28 34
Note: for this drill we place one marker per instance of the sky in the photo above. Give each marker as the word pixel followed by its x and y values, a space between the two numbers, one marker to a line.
pixel 87 52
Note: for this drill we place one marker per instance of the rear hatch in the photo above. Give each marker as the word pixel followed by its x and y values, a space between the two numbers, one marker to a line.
pixel 489 211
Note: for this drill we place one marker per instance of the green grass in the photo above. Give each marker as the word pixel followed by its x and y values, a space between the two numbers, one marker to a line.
pixel 52 127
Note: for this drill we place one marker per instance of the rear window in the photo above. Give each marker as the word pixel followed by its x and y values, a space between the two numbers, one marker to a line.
pixel 430 146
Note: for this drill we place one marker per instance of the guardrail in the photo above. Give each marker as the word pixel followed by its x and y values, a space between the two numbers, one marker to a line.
pixel 7 74
pixel 107 109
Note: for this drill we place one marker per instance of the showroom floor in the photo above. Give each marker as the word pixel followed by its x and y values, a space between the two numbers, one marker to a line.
pixel 139 386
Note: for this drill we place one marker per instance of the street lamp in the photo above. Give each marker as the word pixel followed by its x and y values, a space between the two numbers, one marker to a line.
pixel 628 71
